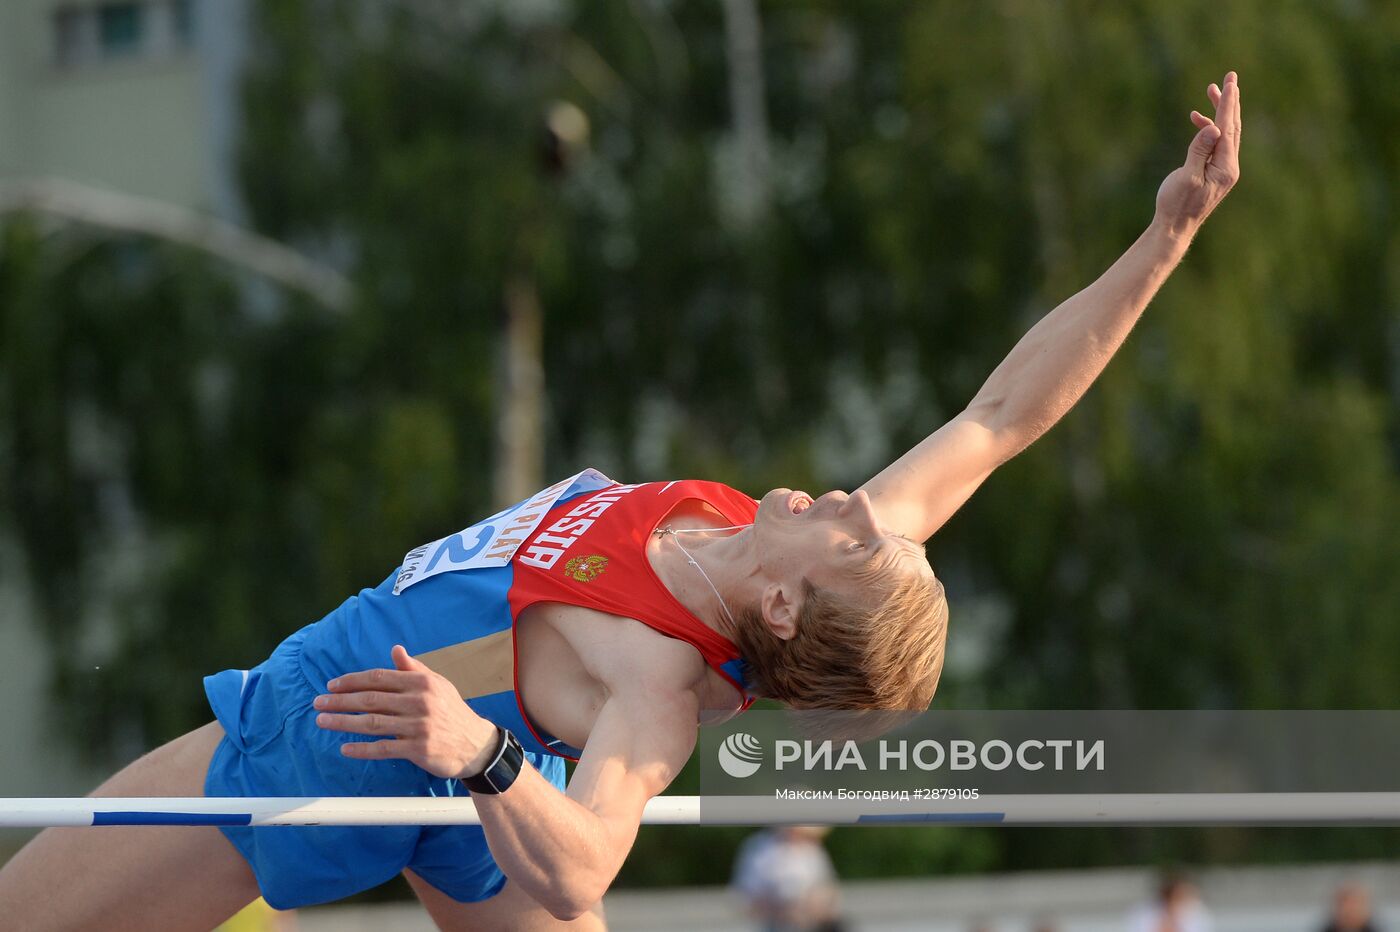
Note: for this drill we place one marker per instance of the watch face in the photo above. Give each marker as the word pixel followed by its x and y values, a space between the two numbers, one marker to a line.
pixel 511 763
pixel 514 746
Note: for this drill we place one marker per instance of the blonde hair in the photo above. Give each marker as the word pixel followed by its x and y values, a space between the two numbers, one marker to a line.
pixel 879 649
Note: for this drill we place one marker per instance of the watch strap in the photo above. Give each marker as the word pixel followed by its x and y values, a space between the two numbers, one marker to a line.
pixel 505 766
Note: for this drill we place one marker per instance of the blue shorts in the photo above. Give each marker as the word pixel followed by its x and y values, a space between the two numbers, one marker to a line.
pixel 273 747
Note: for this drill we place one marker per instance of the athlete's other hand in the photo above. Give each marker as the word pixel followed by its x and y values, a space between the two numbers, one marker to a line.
pixel 1190 193
pixel 420 713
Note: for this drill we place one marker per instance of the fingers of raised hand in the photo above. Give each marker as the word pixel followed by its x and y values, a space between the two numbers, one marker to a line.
pixel 1228 118
pixel 1237 121
pixel 1200 119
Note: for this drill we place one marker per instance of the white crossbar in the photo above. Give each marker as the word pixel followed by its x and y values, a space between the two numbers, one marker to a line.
pixel 1060 809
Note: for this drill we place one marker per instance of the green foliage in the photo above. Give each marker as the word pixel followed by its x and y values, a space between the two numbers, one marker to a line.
pixel 195 468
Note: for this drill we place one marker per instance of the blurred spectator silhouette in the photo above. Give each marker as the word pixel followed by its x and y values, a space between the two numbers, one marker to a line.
pixel 1176 908
pixel 1351 910
pixel 787 881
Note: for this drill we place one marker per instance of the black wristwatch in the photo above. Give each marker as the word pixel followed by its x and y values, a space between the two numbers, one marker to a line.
pixel 505 766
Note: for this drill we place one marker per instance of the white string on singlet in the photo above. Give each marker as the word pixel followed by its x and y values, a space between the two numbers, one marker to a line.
pixel 661 532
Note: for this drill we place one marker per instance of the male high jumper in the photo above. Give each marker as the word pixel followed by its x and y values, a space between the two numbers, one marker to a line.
pixel 599 621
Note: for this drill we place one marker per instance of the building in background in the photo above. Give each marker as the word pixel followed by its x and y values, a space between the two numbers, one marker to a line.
pixel 139 98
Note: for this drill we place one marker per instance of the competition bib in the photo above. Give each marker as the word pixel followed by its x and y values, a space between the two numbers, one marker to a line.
pixel 494 540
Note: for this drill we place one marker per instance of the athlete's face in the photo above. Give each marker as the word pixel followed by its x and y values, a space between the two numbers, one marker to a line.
pixel 827 541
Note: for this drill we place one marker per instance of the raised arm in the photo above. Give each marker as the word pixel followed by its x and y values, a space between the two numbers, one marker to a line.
pixel 1060 357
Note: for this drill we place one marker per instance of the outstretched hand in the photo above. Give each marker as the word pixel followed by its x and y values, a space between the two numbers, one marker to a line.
pixel 419 713
pixel 1190 193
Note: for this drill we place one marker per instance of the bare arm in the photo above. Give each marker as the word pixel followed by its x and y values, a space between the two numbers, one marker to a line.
pixel 561 850
pixel 565 849
pixel 1041 379
pixel 1052 366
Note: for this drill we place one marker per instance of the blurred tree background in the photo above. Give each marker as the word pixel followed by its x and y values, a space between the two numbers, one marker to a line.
pixel 775 275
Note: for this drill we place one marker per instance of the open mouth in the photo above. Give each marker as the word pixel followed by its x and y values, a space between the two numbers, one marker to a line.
pixel 798 502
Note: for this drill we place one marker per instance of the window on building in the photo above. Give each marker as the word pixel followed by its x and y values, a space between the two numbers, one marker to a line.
pixel 70 36
pixel 84 33
pixel 120 28
pixel 182 11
